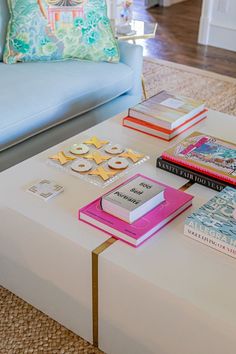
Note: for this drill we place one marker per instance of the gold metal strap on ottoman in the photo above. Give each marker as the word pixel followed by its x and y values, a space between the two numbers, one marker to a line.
pixel 186 186
pixel 95 254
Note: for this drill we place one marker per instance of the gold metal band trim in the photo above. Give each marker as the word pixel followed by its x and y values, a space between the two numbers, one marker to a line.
pixel 186 186
pixel 95 254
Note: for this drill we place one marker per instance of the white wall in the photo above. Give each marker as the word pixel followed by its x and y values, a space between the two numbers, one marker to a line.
pixel 218 24
pixel 169 2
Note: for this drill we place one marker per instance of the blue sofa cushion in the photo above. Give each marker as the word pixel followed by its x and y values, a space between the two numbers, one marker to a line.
pixel 36 96
pixel 4 18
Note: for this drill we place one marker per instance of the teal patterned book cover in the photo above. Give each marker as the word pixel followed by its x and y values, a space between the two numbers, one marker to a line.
pixel 215 222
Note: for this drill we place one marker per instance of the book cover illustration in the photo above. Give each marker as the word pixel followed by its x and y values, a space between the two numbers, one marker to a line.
pixel 217 218
pixel 207 154
pixel 167 106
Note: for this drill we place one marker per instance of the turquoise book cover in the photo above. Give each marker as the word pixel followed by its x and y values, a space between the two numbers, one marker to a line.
pixel 216 219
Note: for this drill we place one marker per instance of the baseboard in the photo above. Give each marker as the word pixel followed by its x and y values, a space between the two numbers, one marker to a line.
pixel 222 36
pixel 213 30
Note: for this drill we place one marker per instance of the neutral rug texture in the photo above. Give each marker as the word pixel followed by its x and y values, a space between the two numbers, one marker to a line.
pixel 23 329
pixel 218 91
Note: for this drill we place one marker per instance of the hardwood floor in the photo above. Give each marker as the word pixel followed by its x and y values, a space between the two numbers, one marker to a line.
pixel 176 38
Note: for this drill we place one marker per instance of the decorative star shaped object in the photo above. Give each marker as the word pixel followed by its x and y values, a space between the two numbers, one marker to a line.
pixel 104 174
pixel 97 157
pixel 132 155
pixel 62 158
pixel 96 142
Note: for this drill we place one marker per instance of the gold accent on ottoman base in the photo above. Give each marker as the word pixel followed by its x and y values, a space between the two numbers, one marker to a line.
pixel 95 283
pixel 95 253
pixel 186 186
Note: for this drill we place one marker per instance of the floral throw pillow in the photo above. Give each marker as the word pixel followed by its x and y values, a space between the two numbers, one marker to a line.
pixel 58 30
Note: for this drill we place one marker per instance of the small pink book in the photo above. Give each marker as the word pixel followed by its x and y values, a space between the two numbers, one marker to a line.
pixel 136 233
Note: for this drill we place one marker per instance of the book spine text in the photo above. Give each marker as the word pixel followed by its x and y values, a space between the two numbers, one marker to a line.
pixel 210 241
pixel 200 169
pixel 190 175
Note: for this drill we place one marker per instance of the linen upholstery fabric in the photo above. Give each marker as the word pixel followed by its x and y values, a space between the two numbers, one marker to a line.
pixel 46 94
pixel 44 30
pixel 4 18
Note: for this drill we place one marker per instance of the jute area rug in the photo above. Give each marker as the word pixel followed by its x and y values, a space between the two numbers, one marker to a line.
pixel 218 91
pixel 23 329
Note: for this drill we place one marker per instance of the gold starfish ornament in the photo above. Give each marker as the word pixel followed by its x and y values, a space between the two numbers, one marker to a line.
pixel 62 158
pixel 132 155
pixel 96 142
pixel 104 174
pixel 97 157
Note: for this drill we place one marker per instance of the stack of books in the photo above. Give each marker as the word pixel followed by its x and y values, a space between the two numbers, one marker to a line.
pixel 165 115
pixel 135 210
pixel 214 224
pixel 203 159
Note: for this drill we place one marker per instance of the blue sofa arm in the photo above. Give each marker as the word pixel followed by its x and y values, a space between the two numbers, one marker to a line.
pixel 132 55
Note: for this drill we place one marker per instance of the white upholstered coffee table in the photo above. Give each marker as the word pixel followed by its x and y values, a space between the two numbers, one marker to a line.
pixel 170 296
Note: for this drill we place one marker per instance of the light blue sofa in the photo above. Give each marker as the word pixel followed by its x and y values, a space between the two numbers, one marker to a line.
pixel 39 100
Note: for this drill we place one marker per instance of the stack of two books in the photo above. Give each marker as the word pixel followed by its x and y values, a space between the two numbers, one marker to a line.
pixel 165 115
pixel 136 209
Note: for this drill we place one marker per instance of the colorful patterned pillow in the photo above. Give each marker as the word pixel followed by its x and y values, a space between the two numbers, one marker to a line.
pixel 58 30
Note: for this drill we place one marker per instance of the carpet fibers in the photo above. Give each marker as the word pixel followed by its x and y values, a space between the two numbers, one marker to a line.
pixel 23 329
pixel 218 91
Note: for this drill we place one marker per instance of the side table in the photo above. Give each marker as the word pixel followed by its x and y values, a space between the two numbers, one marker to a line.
pixel 139 30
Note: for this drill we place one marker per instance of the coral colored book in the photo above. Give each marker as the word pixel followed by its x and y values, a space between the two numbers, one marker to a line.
pixel 207 154
pixel 160 132
pixel 166 109
pixel 136 233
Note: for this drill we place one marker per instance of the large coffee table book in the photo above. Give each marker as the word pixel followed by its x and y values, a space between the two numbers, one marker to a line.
pixel 214 224
pixel 165 115
pixel 207 155
pixel 139 231
pixel 133 199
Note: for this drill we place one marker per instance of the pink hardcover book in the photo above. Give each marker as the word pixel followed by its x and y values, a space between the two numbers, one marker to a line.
pixel 136 233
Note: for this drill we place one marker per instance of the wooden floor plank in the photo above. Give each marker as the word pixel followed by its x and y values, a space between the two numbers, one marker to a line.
pixel 176 38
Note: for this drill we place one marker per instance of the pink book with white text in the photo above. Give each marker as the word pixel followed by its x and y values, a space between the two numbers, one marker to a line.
pixel 136 233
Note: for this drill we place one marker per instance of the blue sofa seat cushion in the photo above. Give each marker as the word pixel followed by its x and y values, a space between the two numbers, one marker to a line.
pixel 36 96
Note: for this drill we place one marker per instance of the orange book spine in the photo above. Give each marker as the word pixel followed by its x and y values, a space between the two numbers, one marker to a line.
pixel 161 129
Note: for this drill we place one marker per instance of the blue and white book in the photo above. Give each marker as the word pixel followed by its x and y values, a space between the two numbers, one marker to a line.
pixel 214 224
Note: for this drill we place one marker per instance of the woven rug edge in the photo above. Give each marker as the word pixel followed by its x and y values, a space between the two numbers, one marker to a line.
pixel 190 69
